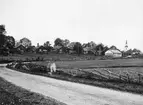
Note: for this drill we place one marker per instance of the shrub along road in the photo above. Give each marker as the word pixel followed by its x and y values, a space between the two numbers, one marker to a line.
pixel 70 93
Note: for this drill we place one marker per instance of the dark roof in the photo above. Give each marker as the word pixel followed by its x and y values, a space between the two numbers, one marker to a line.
pixel 20 46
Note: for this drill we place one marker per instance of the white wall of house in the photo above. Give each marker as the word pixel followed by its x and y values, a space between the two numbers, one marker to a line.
pixel 113 53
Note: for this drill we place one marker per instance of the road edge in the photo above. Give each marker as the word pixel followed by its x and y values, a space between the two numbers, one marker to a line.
pixel 25 95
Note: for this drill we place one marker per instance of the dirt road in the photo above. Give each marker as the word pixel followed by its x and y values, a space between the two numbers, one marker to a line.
pixel 70 93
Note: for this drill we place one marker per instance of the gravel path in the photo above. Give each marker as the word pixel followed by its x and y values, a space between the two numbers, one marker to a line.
pixel 68 92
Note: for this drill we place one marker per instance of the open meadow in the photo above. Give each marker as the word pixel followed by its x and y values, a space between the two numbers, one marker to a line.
pixel 118 66
pixel 101 63
pixel 120 69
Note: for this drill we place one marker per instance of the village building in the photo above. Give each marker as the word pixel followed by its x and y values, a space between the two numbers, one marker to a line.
pixel 113 52
pixel 42 49
pixel 20 49
pixel 57 49
pixel 86 50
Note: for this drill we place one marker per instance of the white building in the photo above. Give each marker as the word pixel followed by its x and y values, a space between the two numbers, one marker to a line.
pixel 113 53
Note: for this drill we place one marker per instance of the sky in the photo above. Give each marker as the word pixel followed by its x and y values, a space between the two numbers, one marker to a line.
pixel 110 22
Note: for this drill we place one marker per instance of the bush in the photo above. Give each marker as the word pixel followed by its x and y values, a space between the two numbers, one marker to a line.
pixel 36 68
pixel 41 69
pixel 19 65
pixel 29 66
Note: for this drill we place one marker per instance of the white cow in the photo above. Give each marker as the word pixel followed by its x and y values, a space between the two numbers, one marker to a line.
pixel 51 66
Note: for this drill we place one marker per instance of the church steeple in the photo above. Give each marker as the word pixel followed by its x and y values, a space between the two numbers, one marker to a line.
pixel 126 46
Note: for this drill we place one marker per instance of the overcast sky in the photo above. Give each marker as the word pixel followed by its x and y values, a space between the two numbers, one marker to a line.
pixel 110 22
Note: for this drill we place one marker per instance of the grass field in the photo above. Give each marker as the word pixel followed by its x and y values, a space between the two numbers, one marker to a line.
pixel 101 63
pixel 114 63
pixel 121 69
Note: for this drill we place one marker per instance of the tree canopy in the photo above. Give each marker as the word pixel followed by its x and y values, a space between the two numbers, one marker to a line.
pixel 78 48
pixel 2 35
pixel 25 42
pixel 58 42
pixel 7 43
pixel 10 42
pixel 47 46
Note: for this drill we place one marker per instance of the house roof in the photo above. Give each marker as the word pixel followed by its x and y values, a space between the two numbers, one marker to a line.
pixel 20 46
pixel 113 51
pixel 57 47
pixel 87 49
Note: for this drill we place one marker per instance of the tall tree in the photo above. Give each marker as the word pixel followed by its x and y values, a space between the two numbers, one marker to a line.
pixel 25 42
pixel 92 44
pixel 48 46
pixel 2 35
pixel 7 43
pixel 89 44
pixel 136 51
pixel 78 48
pixel 128 52
pixel 10 42
pixel 58 42
pixel 71 45
pixel 104 50
pixel 2 29
pixel 99 49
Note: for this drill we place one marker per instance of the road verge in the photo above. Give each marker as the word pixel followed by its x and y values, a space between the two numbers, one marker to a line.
pixel 14 95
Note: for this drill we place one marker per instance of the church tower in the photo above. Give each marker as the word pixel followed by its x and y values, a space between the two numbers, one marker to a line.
pixel 126 46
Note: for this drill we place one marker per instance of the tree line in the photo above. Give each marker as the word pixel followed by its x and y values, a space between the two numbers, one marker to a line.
pixel 8 45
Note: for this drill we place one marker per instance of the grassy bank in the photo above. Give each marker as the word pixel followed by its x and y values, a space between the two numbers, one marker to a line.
pixel 13 95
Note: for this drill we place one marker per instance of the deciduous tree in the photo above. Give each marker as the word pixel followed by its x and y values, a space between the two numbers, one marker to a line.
pixel 2 35
pixel 47 46
pixel 25 42
pixel 58 42
pixel 10 42
pixel 78 48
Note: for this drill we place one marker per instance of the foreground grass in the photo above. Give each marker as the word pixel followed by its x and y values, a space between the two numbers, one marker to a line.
pixel 13 95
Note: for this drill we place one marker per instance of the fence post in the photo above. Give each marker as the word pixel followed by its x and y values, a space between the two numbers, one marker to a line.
pixel 139 77
pixel 128 78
